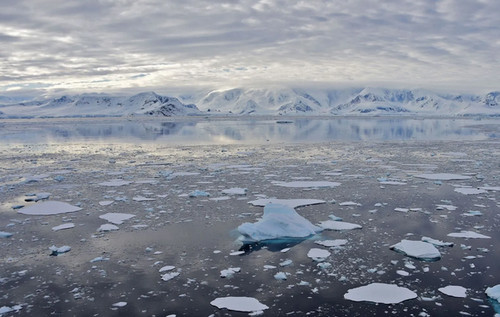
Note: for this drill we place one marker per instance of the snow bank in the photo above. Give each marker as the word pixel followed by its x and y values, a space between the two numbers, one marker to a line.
pixel 380 293
pixel 278 221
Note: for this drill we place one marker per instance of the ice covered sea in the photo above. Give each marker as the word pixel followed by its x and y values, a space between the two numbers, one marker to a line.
pixel 111 217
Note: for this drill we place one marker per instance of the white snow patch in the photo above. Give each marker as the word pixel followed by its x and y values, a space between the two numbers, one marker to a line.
pixel 116 218
pixel 417 249
pixel 453 290
pixel 380 293
pixel 338 225
pixel 49 208
pixel 278 221
pixel 68 225
pixel 241 304
pixel 468 235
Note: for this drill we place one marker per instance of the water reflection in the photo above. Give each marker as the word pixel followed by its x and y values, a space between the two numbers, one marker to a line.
pixel 246 131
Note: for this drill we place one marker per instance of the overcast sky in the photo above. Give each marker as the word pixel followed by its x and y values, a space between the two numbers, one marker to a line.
pixel 137 45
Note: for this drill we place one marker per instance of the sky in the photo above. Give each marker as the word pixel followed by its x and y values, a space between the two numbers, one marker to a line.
pixel 50 47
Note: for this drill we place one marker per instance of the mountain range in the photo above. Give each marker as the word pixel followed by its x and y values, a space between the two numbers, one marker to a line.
pixel 261 101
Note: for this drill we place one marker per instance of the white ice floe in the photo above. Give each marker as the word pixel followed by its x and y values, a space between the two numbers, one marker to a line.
pixel 221 198
pixel 4 234
pixel 417 249
pixel 198 193
pixel 318 254
pixel 49 208
pixel 235 191
pixel 227 273
pixel 280 276
pixel 59 250
pixel 166 268
pixel 115 183
pixel 307 184
pixel 468 234
pixel 437 243
pixel 241 304
pixel 402 273
pixel 169 276
pixel 443 176
pixel 350 203
pixel 332 243
pixel 116 218
pixel 292 203
pixel 470 190
pixel 107 227
pixel 142 198
pixel 64 226
pixel 278 221
pixel 105 202
pixel 120 304
pixel 454 291
pixel 494 292
pixel 447 207
pixel 491 188
pixel 338 225
pixel 380 293
pixel 7 309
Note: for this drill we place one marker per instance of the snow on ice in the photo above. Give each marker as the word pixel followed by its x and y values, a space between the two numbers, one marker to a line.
pixel 49 208
pixel 241 304
pixel 417 249
pixel 380 293
pixel 278 221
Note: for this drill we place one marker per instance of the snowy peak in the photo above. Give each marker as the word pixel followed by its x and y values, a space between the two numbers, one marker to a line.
pixel 492 99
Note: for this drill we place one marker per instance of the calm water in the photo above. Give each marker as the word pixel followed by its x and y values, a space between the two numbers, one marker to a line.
pixel 246 131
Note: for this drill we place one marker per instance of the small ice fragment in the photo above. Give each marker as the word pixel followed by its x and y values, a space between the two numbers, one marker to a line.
pixel 470 191
pixel 453 290
pixel 166 268
pixel 447 207
pixel 115 183
pixel 443 176
pixel 380 293
pixel 49 208
pixel 169 276
pixel 307 184
pixel 59 250
pixel 437 243
pixel 64 226
pixel 324 265
pixel 237 253
pixel 334 218
pixel 472 213
pixel 286 262
pixel 116 218
pixel 241 304
pixel 198 193
pixel 318 255
pixel 4 234
pixel 401 209
pixel 227 273
pixel 468 235
pixel 120 304
pixel 105 202
pixel 280 276
pixel 332 243
pixel 418 249
pixel 402 273
pixel 292 203
pixel 142 198
pixel 285 250
pixel 338 225
pixel 349 203
pixel 107 227
pixel 99 259
pixel 235 191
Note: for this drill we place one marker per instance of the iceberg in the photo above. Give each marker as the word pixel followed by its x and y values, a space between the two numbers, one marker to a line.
pixel 49 208
pixel 278 221
pixel 418 250
pixel 380 293
pixel 240 303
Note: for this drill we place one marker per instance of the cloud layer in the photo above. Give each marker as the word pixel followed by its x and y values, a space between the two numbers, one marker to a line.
pixel 103 45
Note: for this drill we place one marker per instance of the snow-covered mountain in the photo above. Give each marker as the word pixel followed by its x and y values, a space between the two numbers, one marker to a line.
pixel 148 103
pixel 266 101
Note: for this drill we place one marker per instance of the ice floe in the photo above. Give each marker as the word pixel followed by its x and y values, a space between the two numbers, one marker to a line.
pixel 437 243
pixel 59 250
pixel 418 249
pixel 198 193
pixel 454 291
pixel 338 225
pixel 240 303
pixel 142 198
pixel 331 243
pixel 7 309
pixel 470 190
pixel 494 292
pixel 227 273
pixel 235 191
pixel 115 183
pixel 105 202
pixel 116 218
pixel 318 254
pixel 119 304
pixel 292 203
pixel 107 227
pixel 380 293
pixel 468 235
pixel 168 276
pixel 64 226
pixel 278 221
pixel 166 268
pixel 443 176
pixel 280 276
pixel 4 234
pixel 307 184
pixel 49 208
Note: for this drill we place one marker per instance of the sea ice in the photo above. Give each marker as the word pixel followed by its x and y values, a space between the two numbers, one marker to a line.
pixel 49 208
pixel 443 176
pixel 307 184
pixel 142 198
pixel 281 276
pixel 105 202
pixel 470 191
pixel 4 234
pixel 437 243
pixel 241 304
pixel 494 292
pixel 418 249
pixel 59 250
pixel 338 225
pixel 107 227
pixel 468 234
pixel 115 183
pixel 169 276
pixel 332 243
pixel 198 193
pixel 6 309
pixel 278 221
pixel 120 304
pixel 292 203
pixel 68 225
pixel 235 191
pixel 380 293
pixel 116 218
pixel 318 254
pixel 166 268
pixel 453 290
pixel 229 272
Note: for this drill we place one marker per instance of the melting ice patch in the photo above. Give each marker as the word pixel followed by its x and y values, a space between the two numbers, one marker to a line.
pixel 241 304
pixel 417 249
pixel 49 208
pixel 307 184
pixel 292 203
pixel 380 293
pixel 278 221
pixel 454 291
pixel 443 176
